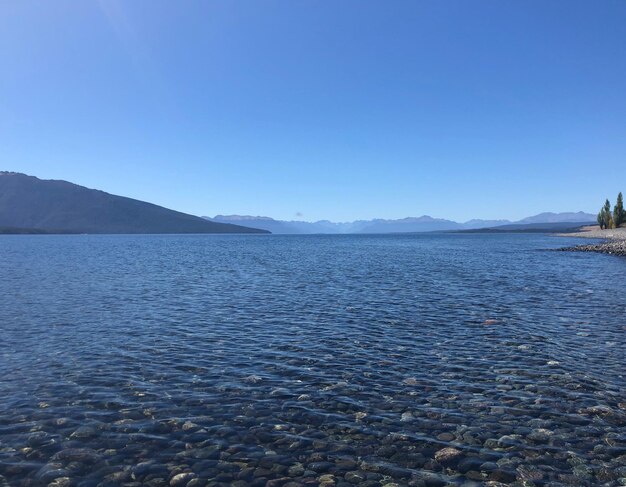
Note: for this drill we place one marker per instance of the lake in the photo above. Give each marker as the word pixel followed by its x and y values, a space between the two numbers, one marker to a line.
pixel 373 360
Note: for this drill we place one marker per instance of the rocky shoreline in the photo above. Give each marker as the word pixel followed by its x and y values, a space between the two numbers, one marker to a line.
pixel 613 247
pixel 614 241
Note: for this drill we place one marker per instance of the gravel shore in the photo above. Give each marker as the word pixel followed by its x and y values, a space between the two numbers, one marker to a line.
pixel 615 241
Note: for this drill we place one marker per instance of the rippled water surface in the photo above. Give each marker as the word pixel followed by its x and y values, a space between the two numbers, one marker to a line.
pixel 310 360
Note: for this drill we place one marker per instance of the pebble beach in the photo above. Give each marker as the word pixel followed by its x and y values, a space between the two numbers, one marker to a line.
pixel 614 244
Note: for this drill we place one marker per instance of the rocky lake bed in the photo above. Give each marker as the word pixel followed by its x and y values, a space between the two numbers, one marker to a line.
pixel 364 360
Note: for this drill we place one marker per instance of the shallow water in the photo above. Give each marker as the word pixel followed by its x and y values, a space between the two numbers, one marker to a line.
pixel 310 360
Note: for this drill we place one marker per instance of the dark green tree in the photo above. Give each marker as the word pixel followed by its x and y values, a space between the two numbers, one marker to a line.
pixel 619 215
pixel 605 219
pixel 608 218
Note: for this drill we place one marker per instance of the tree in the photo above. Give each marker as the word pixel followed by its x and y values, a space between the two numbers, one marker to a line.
pixel 605 219
pixel 608 221
pixel 619 214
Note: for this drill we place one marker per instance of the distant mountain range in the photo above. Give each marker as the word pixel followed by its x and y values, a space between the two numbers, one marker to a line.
pixel 32 205
pixel 405 225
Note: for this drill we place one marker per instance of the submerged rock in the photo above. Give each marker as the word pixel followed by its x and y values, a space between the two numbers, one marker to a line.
pixel 445 436
pixel 182 479
pixel 448 455
pixel 84 432
pixel 80 455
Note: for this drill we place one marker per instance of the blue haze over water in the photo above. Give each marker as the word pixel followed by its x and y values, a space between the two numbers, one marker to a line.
pixel 258 358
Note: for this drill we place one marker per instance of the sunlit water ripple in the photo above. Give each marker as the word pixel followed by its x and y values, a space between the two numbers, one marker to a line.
pixel 310 360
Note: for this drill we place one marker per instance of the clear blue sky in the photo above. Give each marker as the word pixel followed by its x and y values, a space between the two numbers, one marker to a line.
pixel 330 109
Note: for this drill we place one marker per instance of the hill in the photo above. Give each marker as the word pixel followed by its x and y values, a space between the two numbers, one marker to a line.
pixel 52 206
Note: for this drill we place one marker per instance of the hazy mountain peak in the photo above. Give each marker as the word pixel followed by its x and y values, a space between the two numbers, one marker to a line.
pixel 550 217
pixel 239 218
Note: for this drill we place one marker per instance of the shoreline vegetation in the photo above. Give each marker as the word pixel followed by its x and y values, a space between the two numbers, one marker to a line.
pixel 611 227
pixel 33 231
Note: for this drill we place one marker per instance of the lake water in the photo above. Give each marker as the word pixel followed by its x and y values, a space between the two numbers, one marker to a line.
pixel 310 360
